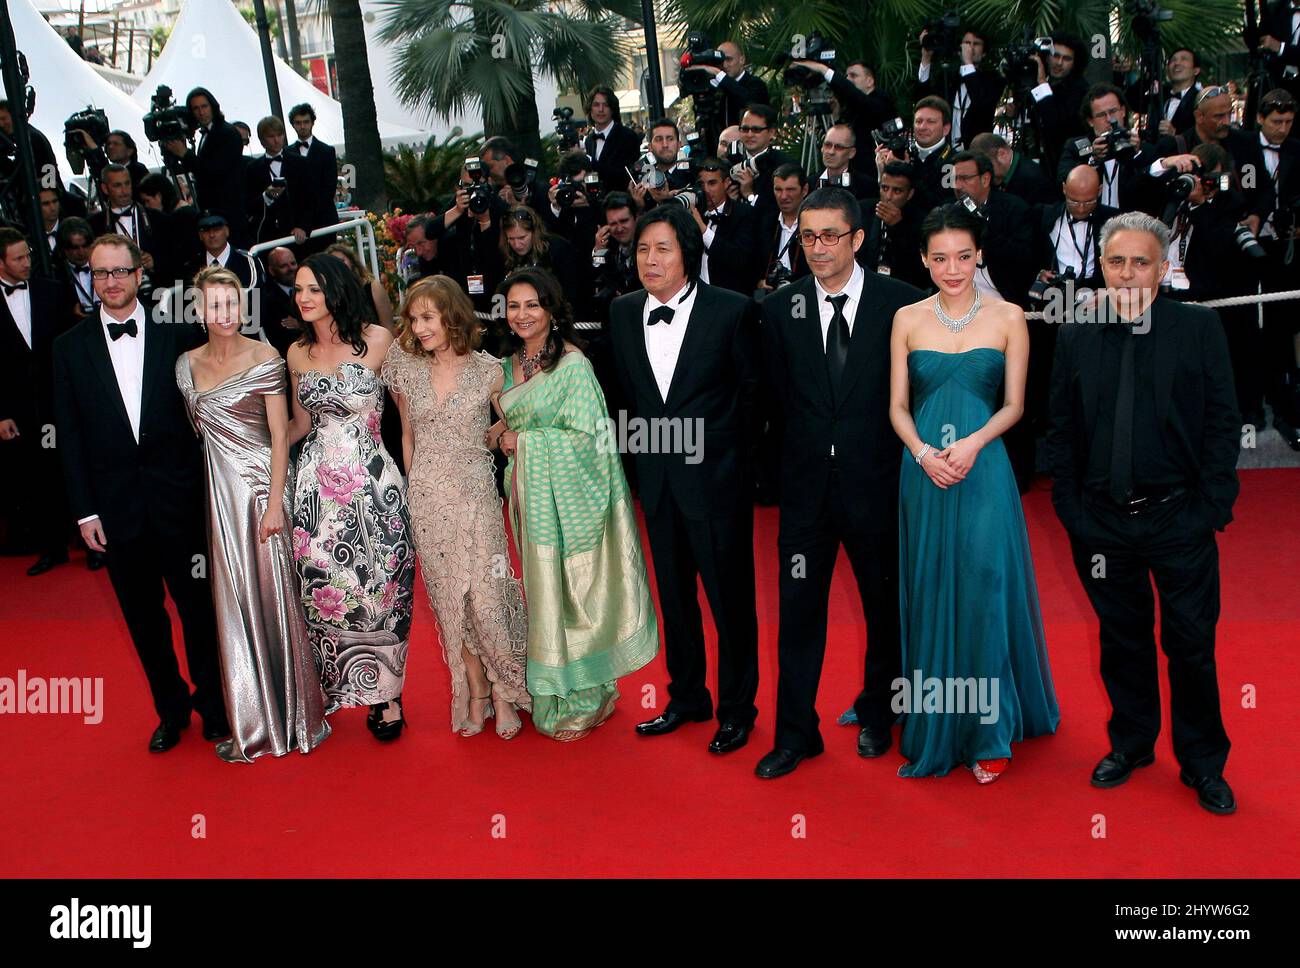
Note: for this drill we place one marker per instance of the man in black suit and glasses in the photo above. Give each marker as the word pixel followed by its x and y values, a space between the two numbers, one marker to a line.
pixel 1143 451
pixel 827 345
pixel 134 473
pixel 688 359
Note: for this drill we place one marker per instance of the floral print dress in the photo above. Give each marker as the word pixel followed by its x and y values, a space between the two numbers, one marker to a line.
pixel 351 539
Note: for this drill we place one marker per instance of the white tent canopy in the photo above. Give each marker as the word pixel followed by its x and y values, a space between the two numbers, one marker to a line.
pixel 212 46
pixel 66 84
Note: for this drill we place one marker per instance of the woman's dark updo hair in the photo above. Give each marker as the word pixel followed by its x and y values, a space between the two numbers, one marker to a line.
pixel 953 217
pixel 551 298
pixel 343 298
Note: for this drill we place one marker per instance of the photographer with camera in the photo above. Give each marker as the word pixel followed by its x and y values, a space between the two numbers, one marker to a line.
pixel 1202 212
pixel 573 209
pixel 753 175
pixel 1058 95
pixel 1067 234
pixel 1115 151
pixel 217 162
pixel 893 224
pixel 839 154
pixel 975 94
pixel 661 173
pixel 151 231
pixel 783 256
pixel 1182 73
pixel 525 242
pixel 612 259
pixel 1006 242
pixel 469 231
pixel 278 186
pixel 738 87
pixel 47 168
pixel 421 244
pixel 928 151
pixel 612 148
pixel 730 228
pixel 1014 172
pixel 118 148
pixel 863 107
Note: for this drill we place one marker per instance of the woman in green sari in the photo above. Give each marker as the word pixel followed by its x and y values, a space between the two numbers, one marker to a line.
pixel 590 618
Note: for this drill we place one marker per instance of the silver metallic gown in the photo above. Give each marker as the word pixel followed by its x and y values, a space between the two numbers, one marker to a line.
pixel 273 693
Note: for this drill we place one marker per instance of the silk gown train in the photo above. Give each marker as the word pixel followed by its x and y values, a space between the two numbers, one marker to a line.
pixel 968 599
pixel 273 694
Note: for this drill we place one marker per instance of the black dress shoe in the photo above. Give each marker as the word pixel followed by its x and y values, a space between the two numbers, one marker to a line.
pixel 1212 792
pixel 667 721
pixel 45 562
pixel 1115 768
pixel 96 560
pixel 386 730
pixel 872 743
pixel 730 737
pixel 779 762
pixel 166 736
pixel 215 729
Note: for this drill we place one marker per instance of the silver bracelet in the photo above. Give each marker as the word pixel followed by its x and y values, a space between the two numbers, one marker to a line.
pixel 920 454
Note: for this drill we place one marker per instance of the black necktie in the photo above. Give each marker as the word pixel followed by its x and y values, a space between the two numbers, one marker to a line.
pixel 1121 451
pixel 115 330
pixel 661 315
pixel 837 341
pixel 10 290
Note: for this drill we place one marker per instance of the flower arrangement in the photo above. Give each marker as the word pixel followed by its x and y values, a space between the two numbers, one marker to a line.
pixel 390 235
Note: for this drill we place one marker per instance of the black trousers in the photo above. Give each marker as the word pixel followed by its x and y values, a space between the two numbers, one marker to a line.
pixel 139 570
pixel 807 562
pixel 720 551
pixel 1117 557
pixel 36 500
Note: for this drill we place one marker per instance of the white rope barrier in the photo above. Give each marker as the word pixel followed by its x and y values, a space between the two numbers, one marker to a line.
pixel 1223 303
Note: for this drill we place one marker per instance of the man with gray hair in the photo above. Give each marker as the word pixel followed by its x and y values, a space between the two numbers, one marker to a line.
pixel 1143 452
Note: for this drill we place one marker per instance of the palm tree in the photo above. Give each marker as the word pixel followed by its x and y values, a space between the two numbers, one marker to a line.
pixel 357 99
pixel 480 55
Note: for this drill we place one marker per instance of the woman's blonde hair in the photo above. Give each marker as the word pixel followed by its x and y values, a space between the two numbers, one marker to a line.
pixel 463 328
pixel 214 276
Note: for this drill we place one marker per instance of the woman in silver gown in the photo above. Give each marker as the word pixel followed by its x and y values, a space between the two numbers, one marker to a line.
pixel 234 388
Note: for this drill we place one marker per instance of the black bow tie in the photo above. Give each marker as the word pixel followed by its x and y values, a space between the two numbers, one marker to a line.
pixel 274 157
pixel 599 136
pixel 661 315
pixel 119 212
pixel 10 290
pixel 1276 149
pixel 115 330
pixel 304 144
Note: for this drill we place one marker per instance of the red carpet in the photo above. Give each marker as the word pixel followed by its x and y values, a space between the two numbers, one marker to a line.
pixel 87 800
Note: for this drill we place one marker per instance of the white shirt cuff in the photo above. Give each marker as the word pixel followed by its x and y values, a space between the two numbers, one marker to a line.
pixel 1157 168
pixel 923 73
pixel 967 70
pixel 93 517
pixel 1041 91
pixel 716 79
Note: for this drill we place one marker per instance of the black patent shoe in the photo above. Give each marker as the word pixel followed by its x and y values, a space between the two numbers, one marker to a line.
pixel 383 730
pixel 1115 768
pixel 1212 792
pixel 166 736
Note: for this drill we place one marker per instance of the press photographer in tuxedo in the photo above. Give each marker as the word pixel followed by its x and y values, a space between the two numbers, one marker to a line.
pixel 973 93
pixel 826 342
pixel 730 231
pixel 1143 451
pixel 611 146
pixel 134 474
pixel 277 186
pixel 218 162
pixel 322 179
pixel 687 355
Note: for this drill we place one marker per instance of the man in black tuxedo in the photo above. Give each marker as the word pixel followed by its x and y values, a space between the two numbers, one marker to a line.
pixel 840 163
pixel 612 148
pixel 322 179
pixel 1143 450
pixel 974 93
pixel 218 162
pixel 1281 39
pixel 739 88
pixel 134 473
pixel 1007 267
pixel 148 229
pixel 827 346
pixel 75 236
pixel 1067 234
pixel 1015 173
pixel 753 176
pixel 730 232
pixel 32 314
pixel 1178 96
pixel 276 310
pixel 214 236
pixel 277 186
pixel 1123 186
pixel 929 153
pixel 893 226
pixel 790 188
pixel 1059 95
pixel 687 356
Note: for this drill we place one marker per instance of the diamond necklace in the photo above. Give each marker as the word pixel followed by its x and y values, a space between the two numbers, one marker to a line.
pixel 956 325
pixel 531 364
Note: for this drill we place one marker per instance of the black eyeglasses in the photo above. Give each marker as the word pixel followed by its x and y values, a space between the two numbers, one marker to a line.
pixel 119 272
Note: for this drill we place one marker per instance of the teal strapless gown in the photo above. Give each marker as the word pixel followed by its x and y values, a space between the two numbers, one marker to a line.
pixel 968 600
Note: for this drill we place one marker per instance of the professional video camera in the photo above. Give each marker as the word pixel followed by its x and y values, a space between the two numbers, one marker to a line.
pixel 1145 16
pixel 567 127
pixel 479 186
pixel 699 53
pixel 167 119
pixel 943 36
pixel 93 121
pixel 568 190
pixel 1019 64
pixel 814 48
pixel 893 135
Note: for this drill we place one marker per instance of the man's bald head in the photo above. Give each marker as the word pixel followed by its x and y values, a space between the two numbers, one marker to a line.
pixel 282 264
pixel 1082 187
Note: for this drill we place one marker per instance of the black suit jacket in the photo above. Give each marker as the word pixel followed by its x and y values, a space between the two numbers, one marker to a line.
pixel 156 482
pixel 715 383
pixel 857 424
pixel 733 257
pixel 1058 116
pixel 274 305
pixel 1028 183
pixel 737 95
pixel 622 148
pixel 984 88
pixel 1282 193
pixel 155 233
pixel 321 176
pixel 285 213
pixel 798 261
pixel 26 390
pixel 898 246
pixel 864 113
pixel 1007 246
pixel 219 174
pixel 1195 404
pixel 930 190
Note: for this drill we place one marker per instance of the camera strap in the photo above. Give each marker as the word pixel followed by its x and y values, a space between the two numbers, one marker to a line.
pixel 1083 250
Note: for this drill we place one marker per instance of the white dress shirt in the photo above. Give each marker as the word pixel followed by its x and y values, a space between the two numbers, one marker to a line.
pixel 710 233
pixel 1110 183
pixel 663 341
pixel 787 240
pixel 1073 238
pixel 20 308
pixel 221 258
pixel 598 144
pixel 826 311
pixel 1175 100
pixel 304 149
pixel 124 223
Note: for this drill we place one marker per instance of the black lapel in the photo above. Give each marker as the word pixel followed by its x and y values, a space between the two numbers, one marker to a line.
pixel 155 352
pixel 634 334
pixel 805 337
pixel 97 351
pixel 863 336
pixel 1162 325
pixel 1087 363
pixel 695 334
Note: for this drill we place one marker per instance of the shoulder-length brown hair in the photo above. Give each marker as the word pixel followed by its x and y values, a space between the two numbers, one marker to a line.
pixel 551 298
pixel 463 328
pixel 523 217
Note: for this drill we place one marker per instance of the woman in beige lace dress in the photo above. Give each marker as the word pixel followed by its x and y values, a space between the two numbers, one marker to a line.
pixel 443 387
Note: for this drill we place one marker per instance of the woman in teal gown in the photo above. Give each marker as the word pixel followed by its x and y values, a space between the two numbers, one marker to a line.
pixel 975 671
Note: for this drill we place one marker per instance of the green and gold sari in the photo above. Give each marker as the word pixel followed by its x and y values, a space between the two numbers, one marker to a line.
pixel 590 618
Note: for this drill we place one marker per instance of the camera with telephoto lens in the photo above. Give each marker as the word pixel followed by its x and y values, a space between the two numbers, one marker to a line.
pixel 567 128
pixel 814 48
pixel 93 121
pixel 568 190
pixel 166 119
pixel 521 177
pixel 699 53
pixel 779 275
pixel 1145 17
pixel 943 35
pixel 1019 64
pixel 1119 143
pixel 478 187
pixel 894 136
pixel 1041 287
pixel 687 198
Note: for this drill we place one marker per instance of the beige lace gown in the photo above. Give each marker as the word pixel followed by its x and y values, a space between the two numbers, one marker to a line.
pixel 459 529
